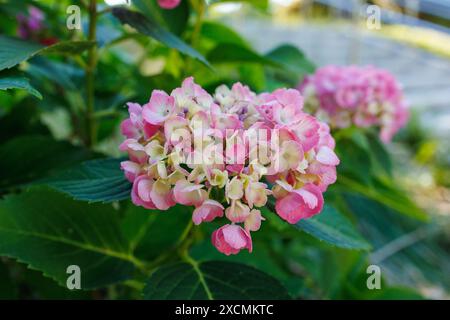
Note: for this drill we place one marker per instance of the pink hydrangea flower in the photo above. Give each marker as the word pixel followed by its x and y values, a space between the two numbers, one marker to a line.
pixel 231 238
pixel 207 211
pixel 160 107
pixel 361 96
pixel 140 194
pixel 169 4
pixel 32 27
pixel 226 154
pixel 300 203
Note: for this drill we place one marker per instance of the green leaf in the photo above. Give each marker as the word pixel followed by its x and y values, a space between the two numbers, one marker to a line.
pixel 60 73
pixel 29 158
pixel 252 75
pixel 69 47
pixel 94 181
pixel 262 257
pixel 13 50
pixel 212 280
pixel 292 59
pixel 386 193
pixel 19 83
pixel 23 120
pixel 7 288
pixel 154 232
pixel 49 232
pixel 220 33
pixel 401 243
pixel 175 19
pixel 396 293
pixel 354 155
pixel 259 4
pixel 149 27
pixel 334 228
pixel 233 53
pixel 380 156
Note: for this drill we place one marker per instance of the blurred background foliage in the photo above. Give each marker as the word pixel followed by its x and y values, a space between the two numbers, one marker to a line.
pixel 396 197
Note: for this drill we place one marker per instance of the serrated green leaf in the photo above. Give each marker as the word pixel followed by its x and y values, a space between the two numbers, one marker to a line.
pixel 49 232
pixel 148 230
pixel 94 181
pixel 212 280
pixel 334 228
pixel 292 59
pixel 233 53
pixel 13 50
pixel 28 158
pixel 19 83
pixel 149 27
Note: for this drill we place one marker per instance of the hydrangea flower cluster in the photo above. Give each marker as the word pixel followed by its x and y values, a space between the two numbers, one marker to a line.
pixel 32 27
pixel 361 96
pixel 225 154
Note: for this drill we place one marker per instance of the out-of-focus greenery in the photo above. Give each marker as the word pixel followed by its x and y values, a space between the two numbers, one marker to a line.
pixel 65 201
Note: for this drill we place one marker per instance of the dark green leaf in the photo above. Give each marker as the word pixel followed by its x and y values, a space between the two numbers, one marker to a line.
pixel 212 280
pixel 292 59
pixel 34 285
pixel 149 27
pixel 409 252
pixel 386 193
pixel 380 156
pixel 50 232
pixel 396 293
pixel 175 19
pixel 19 83
pixel 153 232
pixel 69 47
pixel 13 51
pixel 220 33
pixel 7 289
pixel 23 120
pixel 355 161
pixel 60 73
pixel 334 228
pixel 233 53
pixel 94 181
pixel 28 158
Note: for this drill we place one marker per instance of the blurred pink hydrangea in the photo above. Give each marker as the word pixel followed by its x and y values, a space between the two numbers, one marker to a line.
pixel 353 95
pixel 225 154
pixel 169 4
pixel 32 27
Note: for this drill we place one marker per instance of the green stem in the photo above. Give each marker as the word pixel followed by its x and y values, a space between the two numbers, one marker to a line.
pixel 179 249
pixel 106 113
pixel 200 8
pixel 90 76
pixel 199 273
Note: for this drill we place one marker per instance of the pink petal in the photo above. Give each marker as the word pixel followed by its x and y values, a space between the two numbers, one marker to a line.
pixel 327 156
